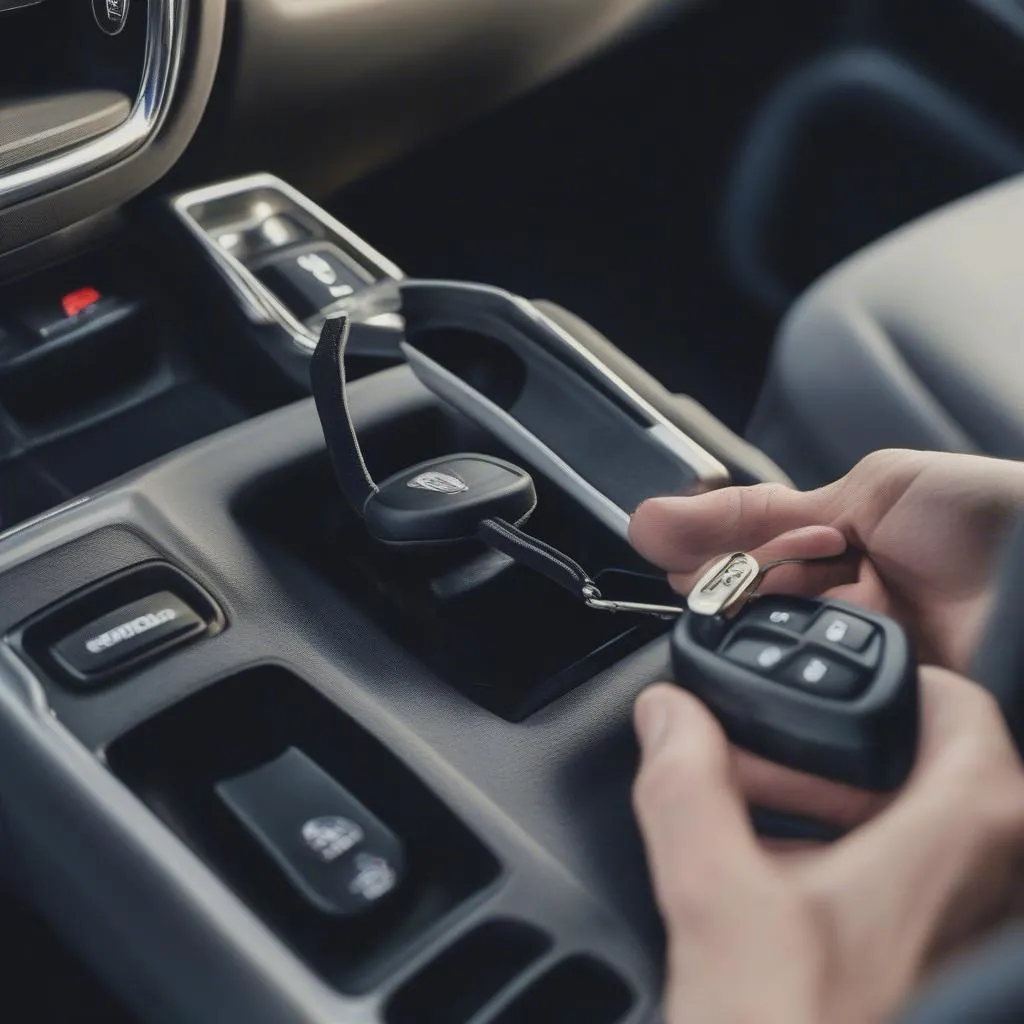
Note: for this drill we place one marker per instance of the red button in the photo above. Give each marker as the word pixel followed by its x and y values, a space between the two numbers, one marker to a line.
pixel 78 300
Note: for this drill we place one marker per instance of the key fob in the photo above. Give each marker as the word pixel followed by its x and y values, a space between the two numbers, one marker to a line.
pixel 445 499
pixel 817 685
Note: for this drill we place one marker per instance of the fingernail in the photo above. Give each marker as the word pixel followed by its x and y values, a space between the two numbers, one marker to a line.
pixel 651 720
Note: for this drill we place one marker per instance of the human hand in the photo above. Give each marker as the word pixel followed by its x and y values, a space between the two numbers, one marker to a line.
pixel 805 933
pixel 927 526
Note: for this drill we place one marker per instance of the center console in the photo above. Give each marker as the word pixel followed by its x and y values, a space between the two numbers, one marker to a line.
pixel 260 766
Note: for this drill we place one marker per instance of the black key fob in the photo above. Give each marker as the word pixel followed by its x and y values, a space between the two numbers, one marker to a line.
pixel 819 686
pixel 446 499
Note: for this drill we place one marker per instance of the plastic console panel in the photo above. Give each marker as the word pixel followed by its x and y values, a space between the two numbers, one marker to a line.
pixel 547 797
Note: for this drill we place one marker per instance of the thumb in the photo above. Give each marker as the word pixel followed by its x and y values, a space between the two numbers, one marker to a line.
pixel 692 815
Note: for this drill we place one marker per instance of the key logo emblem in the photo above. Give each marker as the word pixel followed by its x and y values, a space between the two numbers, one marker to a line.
pixel 438 482
pixel 110 15
pixel 725 585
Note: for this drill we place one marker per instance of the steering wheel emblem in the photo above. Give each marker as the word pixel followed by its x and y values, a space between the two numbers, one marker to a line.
pixel 110 15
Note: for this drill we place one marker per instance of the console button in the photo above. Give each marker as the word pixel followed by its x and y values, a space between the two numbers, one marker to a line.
pixel 835 628
pixel 310 279
pixel 818 673
pixel 336 853
pixel 758 652
pixel 122 635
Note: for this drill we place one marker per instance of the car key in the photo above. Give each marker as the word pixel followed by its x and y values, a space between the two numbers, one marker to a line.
pixel 817 685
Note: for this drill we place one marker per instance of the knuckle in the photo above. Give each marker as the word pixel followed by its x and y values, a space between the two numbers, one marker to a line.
pixel 881 458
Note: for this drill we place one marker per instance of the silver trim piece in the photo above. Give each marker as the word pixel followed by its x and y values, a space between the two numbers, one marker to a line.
pixel 710 472
pixel 258 302
pixel 43 517
pixel 165 34
pixel 508 429
pixel 726 586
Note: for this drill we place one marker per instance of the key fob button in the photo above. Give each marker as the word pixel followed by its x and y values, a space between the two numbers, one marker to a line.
pixel 763 654
pixel 837 629
pixel 820 674
pixel 777 614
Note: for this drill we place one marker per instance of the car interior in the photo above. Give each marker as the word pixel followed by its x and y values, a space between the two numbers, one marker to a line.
pixel 280 741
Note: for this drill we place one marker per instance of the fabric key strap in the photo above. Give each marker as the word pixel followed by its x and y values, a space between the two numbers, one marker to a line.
pixel 330 392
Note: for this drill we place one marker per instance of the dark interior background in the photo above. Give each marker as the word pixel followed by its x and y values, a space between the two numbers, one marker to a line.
pixel 615 190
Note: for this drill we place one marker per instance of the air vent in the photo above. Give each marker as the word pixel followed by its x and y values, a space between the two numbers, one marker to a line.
pixel 467 975
pixel 578 989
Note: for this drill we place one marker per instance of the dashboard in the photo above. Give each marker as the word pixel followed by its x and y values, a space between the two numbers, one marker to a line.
pixel 319 91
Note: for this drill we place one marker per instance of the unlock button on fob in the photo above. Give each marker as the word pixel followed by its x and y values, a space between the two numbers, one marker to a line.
pixel 825 676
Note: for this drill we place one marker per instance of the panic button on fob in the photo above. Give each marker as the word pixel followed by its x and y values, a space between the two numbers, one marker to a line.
pixel 123 635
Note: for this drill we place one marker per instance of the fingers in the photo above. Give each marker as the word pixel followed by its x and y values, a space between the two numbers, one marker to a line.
pixel 960 815
pixel 777 788
pixel 680 534
pixel 692 816
pixel 806 542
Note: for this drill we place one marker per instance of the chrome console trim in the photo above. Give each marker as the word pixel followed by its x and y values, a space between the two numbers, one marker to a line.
pixel 165 35
pixel 257 301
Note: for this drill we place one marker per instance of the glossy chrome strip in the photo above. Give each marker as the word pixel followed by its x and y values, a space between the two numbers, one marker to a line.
pixel 165 34
pixel 258 302
pixel 43 517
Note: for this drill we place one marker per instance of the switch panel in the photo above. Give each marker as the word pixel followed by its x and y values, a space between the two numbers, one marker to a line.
pixel 339 857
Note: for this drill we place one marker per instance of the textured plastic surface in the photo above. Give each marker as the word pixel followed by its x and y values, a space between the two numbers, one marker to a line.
pixel 550 795
pixel 32 129
pixel 806 697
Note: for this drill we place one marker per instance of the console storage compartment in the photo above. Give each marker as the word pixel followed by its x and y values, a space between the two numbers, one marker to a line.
pixel 506 637
pixel 175 761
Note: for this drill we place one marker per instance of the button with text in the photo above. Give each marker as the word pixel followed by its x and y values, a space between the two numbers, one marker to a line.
pixel 123 635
